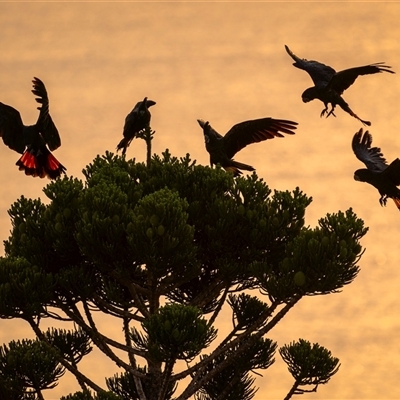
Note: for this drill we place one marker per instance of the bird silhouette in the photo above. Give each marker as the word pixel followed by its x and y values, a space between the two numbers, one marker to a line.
pixel 223 148
pixel 135 122
pixel 330 85
pixel 378 173
pixel 33 141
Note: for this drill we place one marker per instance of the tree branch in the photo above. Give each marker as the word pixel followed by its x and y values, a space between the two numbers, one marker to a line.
pixel 101 341
pixel 219 307
pixel 140 305
pixel 169 365
pixel 113 310
pixel 138 382
pixel 74 370
pixel 102 345
pixel 244 340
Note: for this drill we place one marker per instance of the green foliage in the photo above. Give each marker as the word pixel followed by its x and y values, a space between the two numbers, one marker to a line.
pixel 175 332
pixel 309 365
pixel 160 248
pixel 24 212
pixel 234 382
pixel 74 345
pixel 162 237
pixel 33 366
pixel 12 389
pixel 123 385
pixel 25 289
pixel 320 260
pixel 86 395
pixel 245 307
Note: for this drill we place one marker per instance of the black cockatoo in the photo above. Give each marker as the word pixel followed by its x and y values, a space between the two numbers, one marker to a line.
pixel 32 141
pixel 136 121
pixel 330 85
pixel 223 148
pixel 378 173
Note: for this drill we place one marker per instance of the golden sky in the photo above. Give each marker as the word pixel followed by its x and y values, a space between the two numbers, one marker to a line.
pixel 225 62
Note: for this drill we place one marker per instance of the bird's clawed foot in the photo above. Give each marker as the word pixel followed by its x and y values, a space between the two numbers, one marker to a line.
pixel 383 200
pixel 331 113
pixel 325 110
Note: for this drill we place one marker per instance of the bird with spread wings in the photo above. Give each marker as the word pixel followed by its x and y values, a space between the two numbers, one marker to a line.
pixel 223 148
pixel 34 141
pixel 330 85
pixel 378 173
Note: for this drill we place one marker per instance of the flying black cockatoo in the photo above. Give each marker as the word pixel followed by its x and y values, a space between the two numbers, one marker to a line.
pixel 378 173
pixel 32 141
pixel 330 85
pixel 223 148
pixel 136 121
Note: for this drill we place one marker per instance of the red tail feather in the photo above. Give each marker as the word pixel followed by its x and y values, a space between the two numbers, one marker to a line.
pixel 397 202
pixel 44 164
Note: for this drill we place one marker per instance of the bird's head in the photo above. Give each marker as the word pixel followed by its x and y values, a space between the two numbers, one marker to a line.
pixel 362 175
pixel 145 103
pixel 309 94
pixel 142 105
pixel 206 129
pixel 149 103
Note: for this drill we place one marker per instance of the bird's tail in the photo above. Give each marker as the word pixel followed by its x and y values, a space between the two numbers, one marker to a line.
pixel 397 202
pixel 347 108
pixel 236 166
pixel 124 144
pixel 40 163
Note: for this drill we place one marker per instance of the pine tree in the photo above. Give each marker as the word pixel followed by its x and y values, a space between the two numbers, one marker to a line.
pixel 160 248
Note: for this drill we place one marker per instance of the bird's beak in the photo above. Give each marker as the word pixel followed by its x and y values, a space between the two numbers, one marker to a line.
pixel 150 103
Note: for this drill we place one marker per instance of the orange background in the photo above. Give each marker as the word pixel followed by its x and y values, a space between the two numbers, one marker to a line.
pixel 226 63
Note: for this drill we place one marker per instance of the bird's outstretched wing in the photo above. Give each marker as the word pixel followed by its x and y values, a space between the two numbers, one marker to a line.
pixel 393 172
pixel 344 79
pixel 45 123
pixel 253 131
pixel 320 74
pixel 12 128
pixel 370 156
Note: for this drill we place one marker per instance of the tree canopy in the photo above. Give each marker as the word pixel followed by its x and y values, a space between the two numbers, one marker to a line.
pixel 160 248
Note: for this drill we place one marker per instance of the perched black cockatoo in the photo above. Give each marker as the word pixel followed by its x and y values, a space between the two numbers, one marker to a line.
pixel 136 121
pixel 32 141
pixel 223 148
pixel 330 85
pixel 378 173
